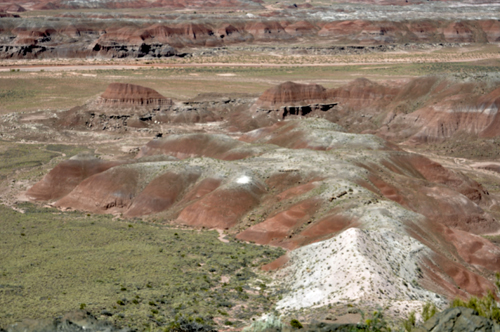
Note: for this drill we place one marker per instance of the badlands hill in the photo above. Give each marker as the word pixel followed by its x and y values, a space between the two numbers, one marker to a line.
pixel 363 221
pixel 410 226
pixel 139 4
pixel 427 109
pixel 122 95
pixel 71 35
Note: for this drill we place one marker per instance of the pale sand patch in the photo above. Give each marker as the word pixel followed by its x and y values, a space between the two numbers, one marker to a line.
pixel 370 266
pixel 226 74
pixel 221 236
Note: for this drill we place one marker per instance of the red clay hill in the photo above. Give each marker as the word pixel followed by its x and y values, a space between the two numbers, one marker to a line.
pixel 293 195
pixel 425 109
pixel 82 35
pixel 124 94
pixel 291 98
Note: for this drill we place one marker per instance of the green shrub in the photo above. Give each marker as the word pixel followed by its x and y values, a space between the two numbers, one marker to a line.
pixel 486 306
pixel 376 322
pixel 296 324
pixel 409 324
pixel 428 311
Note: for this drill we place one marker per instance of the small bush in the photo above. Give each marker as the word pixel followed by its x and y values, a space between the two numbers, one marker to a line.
pixel 296 324
pixel 428 311
pixel 409 324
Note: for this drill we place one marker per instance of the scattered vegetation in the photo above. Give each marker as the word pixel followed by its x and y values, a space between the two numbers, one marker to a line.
pixel 486 306
pixel 19 156
pixel 376 322
pixel 70 260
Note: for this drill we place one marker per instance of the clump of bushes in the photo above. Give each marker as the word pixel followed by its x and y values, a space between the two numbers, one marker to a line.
pixel 485 306
pixel 376 322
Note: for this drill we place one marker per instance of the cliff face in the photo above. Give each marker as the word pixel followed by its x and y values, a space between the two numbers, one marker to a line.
pixel 291 94
pixel 426 109
pixel 73 36
pixel 292 98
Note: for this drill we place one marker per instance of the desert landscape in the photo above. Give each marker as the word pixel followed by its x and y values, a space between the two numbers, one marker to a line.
pixel 249 165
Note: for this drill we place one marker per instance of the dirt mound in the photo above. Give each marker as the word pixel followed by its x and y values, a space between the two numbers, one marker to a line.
pixel 186 146
pixel 124 94
pixel 63 178
pixel 311 133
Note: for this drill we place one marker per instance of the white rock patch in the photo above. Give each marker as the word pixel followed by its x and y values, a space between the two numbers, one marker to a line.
pixel 357 265
pixel 243 179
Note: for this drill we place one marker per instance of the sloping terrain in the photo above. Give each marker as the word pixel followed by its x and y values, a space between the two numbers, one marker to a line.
pixel 363 219
pixel 331 196
pixel 421 110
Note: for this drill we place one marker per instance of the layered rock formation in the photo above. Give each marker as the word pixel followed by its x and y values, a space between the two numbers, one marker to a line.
pixel 70 36
pixel 360 196
pixel 131 95
pixel 294 99
pixel 426 109
pixel 63 178
pixel 113 4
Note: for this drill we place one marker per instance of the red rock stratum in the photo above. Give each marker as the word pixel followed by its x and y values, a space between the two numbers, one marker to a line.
pixel 124 94
pixel 314 187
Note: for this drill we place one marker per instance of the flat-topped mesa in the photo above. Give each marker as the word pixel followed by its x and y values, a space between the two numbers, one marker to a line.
pixel 291 98
pixel 123 94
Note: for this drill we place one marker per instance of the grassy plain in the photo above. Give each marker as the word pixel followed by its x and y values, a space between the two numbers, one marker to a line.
pixel 142 273
pixel 56 90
